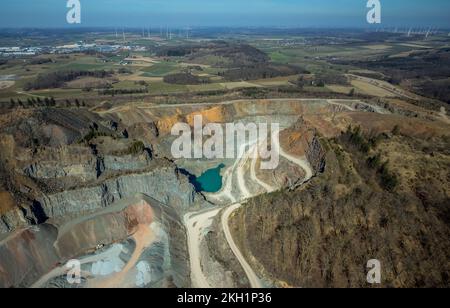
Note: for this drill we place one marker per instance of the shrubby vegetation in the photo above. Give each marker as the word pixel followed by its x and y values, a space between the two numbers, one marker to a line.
pixel 261 71
pixel 124 70
pixel 185 79
pixel 364 144
pixel 438 89
pixel 426 71
pixel 114 92
pixel 236 54
pixel 92 134
pixel 176 51
pixel 331 78
pixel 39 61
pixel 141 83
pixel 321 80
pixel 136 147
pixel 241 54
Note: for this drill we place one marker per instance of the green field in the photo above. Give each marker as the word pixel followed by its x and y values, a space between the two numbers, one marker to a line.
pixel 162 88
pixel 161 69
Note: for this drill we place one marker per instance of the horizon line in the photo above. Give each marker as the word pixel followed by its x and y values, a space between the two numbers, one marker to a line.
pixel 330 27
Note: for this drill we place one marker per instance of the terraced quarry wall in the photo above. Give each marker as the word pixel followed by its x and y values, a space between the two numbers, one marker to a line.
pixel 28 255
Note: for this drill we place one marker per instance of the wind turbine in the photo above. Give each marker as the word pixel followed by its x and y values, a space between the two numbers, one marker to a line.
pixel 187 32
pixel 428 33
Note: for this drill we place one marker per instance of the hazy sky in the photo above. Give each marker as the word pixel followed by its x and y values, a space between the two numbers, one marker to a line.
pixel 291 13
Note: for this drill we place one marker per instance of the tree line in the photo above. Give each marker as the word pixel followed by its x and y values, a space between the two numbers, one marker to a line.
pixel 185 79
pixel 114 92
pixel 33 102
pixel 261 71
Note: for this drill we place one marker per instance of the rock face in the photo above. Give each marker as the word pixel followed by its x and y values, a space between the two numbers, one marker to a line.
pixel 48 170
pixel 315 154
pixel 96 230
pixel 27 255
pixel 11 220
pixel 126 162
pixel 164 185
pixel 77 164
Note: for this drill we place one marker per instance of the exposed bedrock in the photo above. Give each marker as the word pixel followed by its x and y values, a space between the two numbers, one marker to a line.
pixel 316 155
pixel 11 220
pixel 88 169
pixel 27 255
pixel 165 185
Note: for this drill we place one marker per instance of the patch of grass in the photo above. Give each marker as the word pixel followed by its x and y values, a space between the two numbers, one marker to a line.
pixel 164 88
pixel 205 87
pixel 161 69
pixel 280 57
pixel 60 93
pixel 136 147
pixel 92 135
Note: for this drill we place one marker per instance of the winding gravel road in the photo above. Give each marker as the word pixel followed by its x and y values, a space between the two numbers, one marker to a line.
pixel 198 223
pixel 254 280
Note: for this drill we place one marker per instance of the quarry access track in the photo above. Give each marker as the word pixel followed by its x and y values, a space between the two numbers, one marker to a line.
pixel 197 223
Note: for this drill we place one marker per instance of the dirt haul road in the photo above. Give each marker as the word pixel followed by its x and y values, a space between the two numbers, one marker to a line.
pixel 197 223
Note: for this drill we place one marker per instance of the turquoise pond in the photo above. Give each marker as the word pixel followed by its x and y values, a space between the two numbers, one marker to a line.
pixel 210 181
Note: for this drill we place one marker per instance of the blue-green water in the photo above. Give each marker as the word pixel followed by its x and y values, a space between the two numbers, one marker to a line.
pixel 210 181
